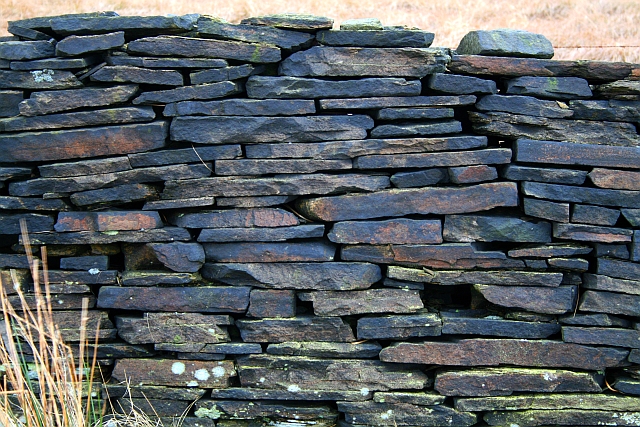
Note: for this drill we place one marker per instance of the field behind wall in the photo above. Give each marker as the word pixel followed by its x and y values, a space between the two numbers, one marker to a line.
pixel 567 23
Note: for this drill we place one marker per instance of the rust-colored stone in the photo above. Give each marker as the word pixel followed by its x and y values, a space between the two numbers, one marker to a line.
pixel 108 221
pixel 189 373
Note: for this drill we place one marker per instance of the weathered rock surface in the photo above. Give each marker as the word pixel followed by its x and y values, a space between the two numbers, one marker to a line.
pixel 569 193
pixel 293 21
pixel 496 277
pixel 186 93
pixel 127 74
pixel 345 303
pixel 620 269
pixel 241 107
pixel 387 102
pixel 470 228
pixel 272 303
pixel 179 257
pixel 189 373
pixel 526 105
pixel 537 299
pixel 583 401
pixel 416 128
pixel 174 328
pixel 596 215
pixel 550 87
pixel 297 329
pixel 610 302
pixel 591 233
pixel 9 101
pixel 615 337
pixel 79 24
pixel 398 231
pixel 245 218
pixel 428 160
pixel 599 282
pixel 56 101
pixel 234 72
pixel 574 417
pixel 461 85
pixel 107 221
pixel 453 323
pixel 78 45
pixel 396 37
pixel 268 252
pixel 255 234
pixel 403 414
pixel 273 166
pixel 327 349
pixel 399 327
pixel 505 42
pixel 26 50
pixel 38 80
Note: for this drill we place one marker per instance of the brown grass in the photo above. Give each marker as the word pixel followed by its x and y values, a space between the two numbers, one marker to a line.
pixel 567 23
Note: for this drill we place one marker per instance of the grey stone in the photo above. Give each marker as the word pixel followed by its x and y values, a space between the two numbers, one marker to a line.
pixel 126 74
pixel 100 262
pixel 526 105
pixel 591 233
pixel 571 264
pixel 292 21
pixel 550 250
pixel 620 269
pixel 461 85
pixel 279 412
pixel 472 174
pixel 301 395
pixel 612 337
pixel 414 113
pixel 403 414
pixel 426 160
pixel 85 167
pixel 32 204
pixel 632 215
pixel 569 193
pixel 241 107
pixel 223 74
pixel 10 223
pixel 421 178
pixel 454 323
pixel 244 167
pixel 616 179
pixel 295 329
pixel 389 37
pixel 417 129
pixel 490 277
pixel 270 252
pixel 117 195
pixel 596 215
pixel 38 80
pixel 131 25
pixel 532 298
pixel 554 176
pixel 167 234
pixel 184 155
pixel 505 42
pixel 179 257
pixel 255 234
pixel 235 218
pixel 346 303
pixel 396 231
pixel 426 398
pixel 327 349
pixel 628 385
pixel 79 45
pixel 56 101
pixel 582 401
pixel 399 327
pixel 26 50
pixel 361 24
pixel 178 204
pixel 254 202
pixel 26 33
pixel 609 110
pixel 619 90
pixel 565 88
pixel 156 278
pixel 9 101
pixel 613 251
pixel 469 228
pixel 187 93
pixel 56 63
pixel 610 302
pixel 176 328
pixel 572 417
pixel 151 62
pixel 405 101
pixel 272 303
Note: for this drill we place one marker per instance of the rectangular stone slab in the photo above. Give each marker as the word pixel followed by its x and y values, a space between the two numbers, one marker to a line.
pixel 84 167
pixel 493 352
pixel 38 80
pixel 398 231
pixel 403 414
pixel 308 276
pixel 184 155
pixel 452 323
pixel 241 107
pixel 481 228
pixel 80 45
pixel 610 302
pixel 609 110
pixel 526 105
pixel 505 381
pixel 258 252
pixel 570 193
pixel 185 93
pixel 321 374
pixel 176 328
pixel 546 300
pixel 617 268
pixel 346 303
pixel 429 160
pixel 410 201
pixel 204 48
pixel 254 234
pixel 599 282
pixel 359 61
pixel 554 176
pixel 234 409
pixel 615 337
pixel 235 218
pixel 26 50
pixel 166 234
pixel 9 101
pixel 331 350
pixel 10 223
pixel 56 64
pixel 221 129
pixel 126 74
pixel 271 166
pixel 284 39
pixel 425 398
pixel 117 195
pixel 390 37
pixel 496 277
pixel 399 101
pixel 592 233
pixel 572 417
pixel 300 328
pixel 617 179
pixel 204 299
pixel 189 373
pixel 107 221
pixel 62 100
pixel 223 74
pixel 82 143
pixel 399 327
pixel 582 401
pixel 132 25
pixel 32 204
pixel 150 62
pixel 301 395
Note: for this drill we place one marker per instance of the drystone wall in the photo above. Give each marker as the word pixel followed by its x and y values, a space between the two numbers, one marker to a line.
pixel 296 226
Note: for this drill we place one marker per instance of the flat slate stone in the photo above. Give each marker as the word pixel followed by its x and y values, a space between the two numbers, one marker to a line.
pixel 107 221
pixel 452 323
pixel 493 352
pixel 620 269
pixel 81 143
pixel 305 88
pixel 613 337
pixel 272 303
pixel 470 228
pixel 416 128
pixel 255 234
pixel 26 50
pixel 10 223
pixel 204 48
pixel 26 33
pixel 190 373
pixel 549 175
pixel 100 262
pixel 284 39
pixel 235 72
pixel 85 167
pixel 234 218
pixel 331 350
pixel 631 215
pixel 179 257
pixel 390 414
pixel 184 155
pixel 346 303
pixel 389 37
pixel 399 327
pixel 414 113
pixel 303 184
pixel 625 89
pixel 300 395
pixel 242 167
pixel 610 110
pixel 292 21
pixel 428 160
pixel 395 231
pixel 186 93
pixel 582 401
pixel 628 385
pixel 12 172
pixel 120 194
pixel 526 105
pixel 505 381
pixel 426 398
pixel 515 67
pixel 569 193
pixel 127 74
pixel 550 250
pixel 38 80
pixel 231 409
pixel 111 116
pixel 410 201
pixel 505 42
pixel 460 85
pixel 350 149
pixel 297 329
pixel 13 261
pixel 221 129
pixel 617 179
pixel 422 178
pixel 131 25
pixel 546 300
pixel 167 234
pixel 319 374
pixel 175 328
pixel 542 128
pixel 564 88
pixel 156 278
pixel 79 45
pixel 55 101
pixel 405 101
pixel 567 153
pixel 592 233
pixel 472 174
pixel 613 251
pixel 573 417
pixel 241 107
pixel 495 277
pixel 9 101
pixel 32 204
pixel 365 61
pixel 151 62
pixel 55 64
pixel 307 276
pixel 202 299
pixel 259 252
pixel 362 24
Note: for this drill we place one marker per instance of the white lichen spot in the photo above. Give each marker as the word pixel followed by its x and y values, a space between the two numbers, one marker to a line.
pixel 192 384
pixel 364 391
pixel 262 379
pixel 218 371
pixel 60 302
pixel 549 377
pixel 293 388
pixel 178 368
pixel 212 331
pixel 386 415
pixel 94 271
pixel 632 418
pixel 514 425
pixel 40 76
pixel 201 374
pixel 212 413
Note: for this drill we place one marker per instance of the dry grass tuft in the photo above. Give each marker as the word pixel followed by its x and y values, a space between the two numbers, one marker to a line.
pixel 567 23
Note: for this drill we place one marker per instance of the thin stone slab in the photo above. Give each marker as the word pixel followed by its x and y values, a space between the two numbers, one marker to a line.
pixel 82 143
pixel 10 223
pixel 341 276
pixel 613 251
pixel 241 107
pixel 414 113
pixel 612 337
pixel 272 166
pixel 628 385
pixel 516 67
pixel 616 179
pixel 329 350
pixel 26 50
pixel 107 221
pixel 300 395
pixel 634 356
pixel 599 282
pixel 471 228
pixel 558 212
pixel 320 374
pixel 131 25
pixel 453 323
pixel 204 48
pixel 428 160
pixel 549 175
pixel 277 186
pixel 235 72
pixel 426 398
pixel 346 303
pixel 625 89
pixel 179 257
pixel 272 303
pixel 9 101
pixel 234 218
pixel 542 128
pixel 154 392
pixel 111 116
pixel 495 277
pixel 389 37
pixel 156 278
pixel 32 204
pixel 416 128
pixel 56 101
pixel 422 178
pixel 150 62
pixel 186 93
pixel 55 64
pixel 184 155
pixel 175 328
pixel 546 300
pixel 291 21
pixel 567 153
pixel 505 42
pixel 397 231
pixel 582 401
pixel 404 414
pixel 526 105
pixel 472 174
pixel 632 215
pixel 263 252
pixel 592 233
pixel 617 268
pixel 202 299
pixel 493 352
pixel 357 148
pixel 190 373
pixel 570 417
pixel 84 167
pixel 284 39
pixel 399 327
pixel 550 250
pixel 14 261
pixel 388 102
pixel 410 201
pixel 166 234
pixel 363 61
pixel 595 196
pixel 79 45
pixel 564 88
pixel 254 234
pixel 296 329
pixel 39 80
pixel 127 74
pixel 231 409
pixel 26 33
pixel 461 85
pixel 99 262
pixel 610 110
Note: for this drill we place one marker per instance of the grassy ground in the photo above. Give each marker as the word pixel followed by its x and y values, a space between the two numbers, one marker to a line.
pixel 567 23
